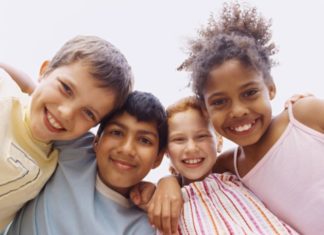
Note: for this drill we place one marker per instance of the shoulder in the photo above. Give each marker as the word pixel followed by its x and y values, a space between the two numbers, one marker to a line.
pixel 310 111
pixel 224 162
pixel 82 146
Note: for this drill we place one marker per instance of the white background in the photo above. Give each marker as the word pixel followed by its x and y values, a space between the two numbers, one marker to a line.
pixel 152 34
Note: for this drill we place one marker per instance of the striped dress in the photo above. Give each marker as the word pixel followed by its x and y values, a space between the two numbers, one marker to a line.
pixel 221 204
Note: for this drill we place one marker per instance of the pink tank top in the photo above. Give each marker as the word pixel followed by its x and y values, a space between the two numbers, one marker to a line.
pixel 289 178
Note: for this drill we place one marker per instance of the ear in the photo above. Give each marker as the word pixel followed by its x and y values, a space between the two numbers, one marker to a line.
pixel 43 69
pixel 95 143
pixel 158 159
pixel 272 90
pixel 219 143
pixel 204 109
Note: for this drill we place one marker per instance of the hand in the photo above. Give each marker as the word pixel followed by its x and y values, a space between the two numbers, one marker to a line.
pixel 165 206
pixel 142 193
pixel 297 97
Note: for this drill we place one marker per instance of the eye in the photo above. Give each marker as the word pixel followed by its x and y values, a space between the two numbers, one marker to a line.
pixel 250 93
pixel 66 89
pixel 202 136
pixel 90 115
pixel 178 140
pixel 145 140
pixel 115 132
pixel 218 102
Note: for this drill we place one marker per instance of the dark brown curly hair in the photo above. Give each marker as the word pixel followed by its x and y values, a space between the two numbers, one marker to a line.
pixel 239 33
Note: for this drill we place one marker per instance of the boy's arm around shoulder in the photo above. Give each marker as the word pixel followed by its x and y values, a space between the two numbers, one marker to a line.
pixel 310 111
pixel 224 162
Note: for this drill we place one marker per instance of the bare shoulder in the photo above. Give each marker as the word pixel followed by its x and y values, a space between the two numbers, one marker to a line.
pixel 224 162
pixel 310 111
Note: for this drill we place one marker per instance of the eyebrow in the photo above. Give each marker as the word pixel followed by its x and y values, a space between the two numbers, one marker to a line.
pixel 242 87
pixel 141 131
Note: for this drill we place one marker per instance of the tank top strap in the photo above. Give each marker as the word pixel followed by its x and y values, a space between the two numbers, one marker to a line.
pixel 235 161
pixel 290 113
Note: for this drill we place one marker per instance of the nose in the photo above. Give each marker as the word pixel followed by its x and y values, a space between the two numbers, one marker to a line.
pixel 66 111
pixel 238 110
pixel 128 147
pixel 191 146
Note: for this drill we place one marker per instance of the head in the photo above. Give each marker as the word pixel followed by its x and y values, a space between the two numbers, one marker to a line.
pixel 86 79
pixel 192 145
pixel 230 69
pixel 131 141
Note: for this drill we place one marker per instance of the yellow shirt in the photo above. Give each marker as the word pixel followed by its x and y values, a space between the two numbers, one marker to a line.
pixel 25 163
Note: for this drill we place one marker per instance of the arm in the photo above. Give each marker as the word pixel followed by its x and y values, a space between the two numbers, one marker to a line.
pixel 224 162
pixel 163 206
pixel 23 80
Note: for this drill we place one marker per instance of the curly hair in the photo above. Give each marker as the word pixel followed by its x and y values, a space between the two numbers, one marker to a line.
pixel 239 33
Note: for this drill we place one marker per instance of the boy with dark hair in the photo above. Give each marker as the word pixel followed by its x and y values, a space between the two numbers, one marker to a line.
pixel 86 196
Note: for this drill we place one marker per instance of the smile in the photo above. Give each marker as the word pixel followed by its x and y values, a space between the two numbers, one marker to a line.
pixel 194 161
pixel 122 165
pixel 52 123
pixel 242 128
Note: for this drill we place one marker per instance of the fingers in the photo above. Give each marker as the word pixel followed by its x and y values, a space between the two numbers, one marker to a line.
pixel 164 214
pixel 147 190
pixel 166 217
pixel 176 209
pixel 135 195
pixel 154 213
pixel 297 97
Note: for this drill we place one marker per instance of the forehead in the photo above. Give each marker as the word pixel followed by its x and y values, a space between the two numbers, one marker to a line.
pixel 230 75
pixel 189 119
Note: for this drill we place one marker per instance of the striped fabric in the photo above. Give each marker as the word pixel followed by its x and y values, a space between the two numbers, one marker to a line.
pixel 222 205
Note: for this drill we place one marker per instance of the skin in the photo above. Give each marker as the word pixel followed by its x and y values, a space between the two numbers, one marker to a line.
pixel 126 151
pixel 191 146
pixel 67 103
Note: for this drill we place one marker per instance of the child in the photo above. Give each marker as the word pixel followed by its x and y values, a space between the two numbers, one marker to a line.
pixel 86 196
pixel 87 78
pixel 221 199
pixel 279 158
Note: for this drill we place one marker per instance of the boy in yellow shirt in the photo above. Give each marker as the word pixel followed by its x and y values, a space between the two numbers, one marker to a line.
pixel 86 79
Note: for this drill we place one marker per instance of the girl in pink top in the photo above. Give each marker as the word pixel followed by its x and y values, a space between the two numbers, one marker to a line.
pixel 213 203
pixel 279 158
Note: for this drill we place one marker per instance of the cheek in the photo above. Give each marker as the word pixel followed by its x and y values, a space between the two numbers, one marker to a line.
pixel 174 151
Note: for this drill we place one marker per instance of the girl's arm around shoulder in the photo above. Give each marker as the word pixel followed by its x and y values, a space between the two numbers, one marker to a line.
pixel 310 111
pixel 224 162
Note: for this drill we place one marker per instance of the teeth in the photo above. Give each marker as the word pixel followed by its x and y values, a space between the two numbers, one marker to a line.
pixel 53 122
pixel 243 128
pixel 193 161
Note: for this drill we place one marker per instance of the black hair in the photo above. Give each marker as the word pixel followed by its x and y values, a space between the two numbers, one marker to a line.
pixel 239 33
pixel 145 107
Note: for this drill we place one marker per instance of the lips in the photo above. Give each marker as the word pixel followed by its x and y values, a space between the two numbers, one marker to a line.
pixel 193 162
pixel 52 123
pixel 243 128
pixel 122 164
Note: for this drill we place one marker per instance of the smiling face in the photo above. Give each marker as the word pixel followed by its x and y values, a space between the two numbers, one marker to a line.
pixel 67 103
pixel 191 146
pixel 237 99
pixel 126 151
